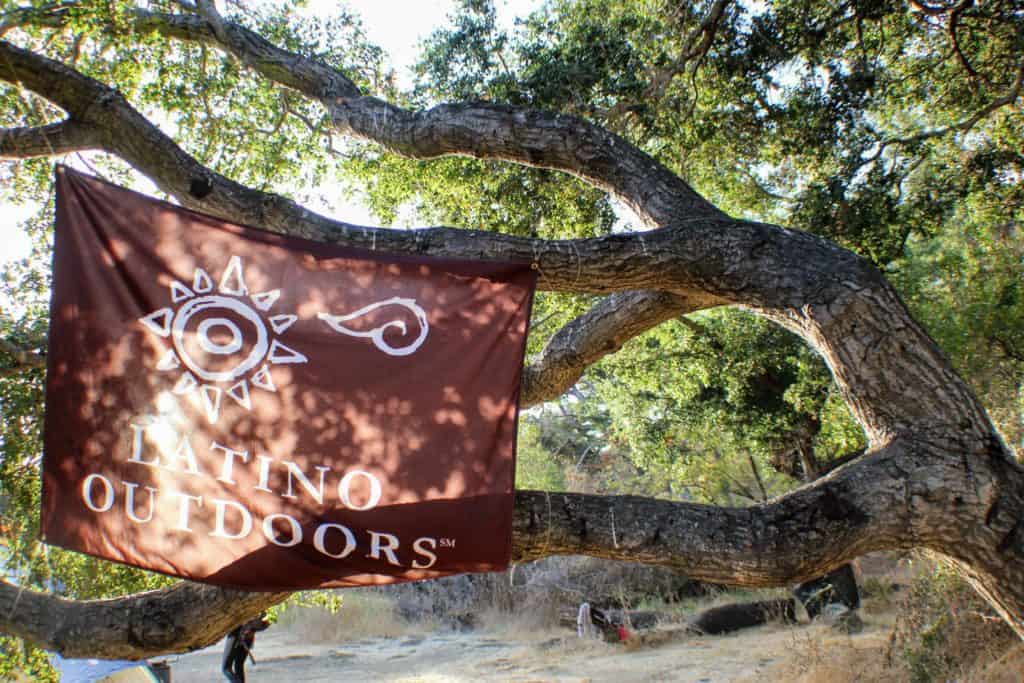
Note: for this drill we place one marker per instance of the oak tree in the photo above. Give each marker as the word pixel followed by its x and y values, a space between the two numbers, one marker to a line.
pixel 838 119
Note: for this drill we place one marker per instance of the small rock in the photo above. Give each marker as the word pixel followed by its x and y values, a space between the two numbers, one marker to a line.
pixel 833 611
pixel 849 623
pixel 842 618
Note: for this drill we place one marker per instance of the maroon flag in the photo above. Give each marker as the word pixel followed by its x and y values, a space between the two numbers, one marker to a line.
pixel 233 406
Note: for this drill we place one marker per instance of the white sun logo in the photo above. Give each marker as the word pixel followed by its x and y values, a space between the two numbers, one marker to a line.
pixel 220 340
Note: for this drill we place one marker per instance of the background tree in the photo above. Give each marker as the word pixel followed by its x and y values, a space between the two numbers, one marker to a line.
pixel 887 133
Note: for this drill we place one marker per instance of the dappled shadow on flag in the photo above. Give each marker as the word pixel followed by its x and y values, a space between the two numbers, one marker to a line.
pixel 216 392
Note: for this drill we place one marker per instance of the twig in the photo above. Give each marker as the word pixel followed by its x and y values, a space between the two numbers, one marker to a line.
pixel 23 359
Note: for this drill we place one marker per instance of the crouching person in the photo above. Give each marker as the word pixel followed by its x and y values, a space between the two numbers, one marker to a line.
pixel 238 646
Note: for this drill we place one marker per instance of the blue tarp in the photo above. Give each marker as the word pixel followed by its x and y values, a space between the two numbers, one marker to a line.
pixel 89 670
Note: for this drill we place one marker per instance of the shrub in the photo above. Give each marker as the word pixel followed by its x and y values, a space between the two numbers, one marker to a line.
pixel 945 629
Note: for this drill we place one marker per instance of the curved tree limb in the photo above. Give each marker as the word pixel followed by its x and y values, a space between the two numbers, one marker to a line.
pixel 802 281
pixel 182 618
pixel 860 508
pixel 581 265
pixel 549 375
pixel 834 299
pixel 528 137
pixel 597 333
pixel 515 134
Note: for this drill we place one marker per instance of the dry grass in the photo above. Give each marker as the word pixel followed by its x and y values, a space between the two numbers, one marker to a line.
pixel 1007 669
pixel 819 654
pixel 520 625
pixel 934 630
pixel 363 614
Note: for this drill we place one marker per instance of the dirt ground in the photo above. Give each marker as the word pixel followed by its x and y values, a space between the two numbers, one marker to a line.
pixel 367 641
pixel 763 654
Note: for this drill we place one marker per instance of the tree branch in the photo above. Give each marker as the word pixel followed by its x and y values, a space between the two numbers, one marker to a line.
pixel 963 125
pixel 54 139
pixel 865 506
pixel 208 10
pixel 532 138
pixel 597 333
pixel 954 39
pixel 831 297
pixel 514 134
pixel 22 358
pixel 936 455
pixel 182 618
pixel 569 265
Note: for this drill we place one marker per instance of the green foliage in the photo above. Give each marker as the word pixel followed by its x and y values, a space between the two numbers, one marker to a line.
pixel 331 601
pixel 847 120
pixel 944 627
pixel 230 119
pixel 536 467
pixel 714 400
pixel 964 284
pixel 20 658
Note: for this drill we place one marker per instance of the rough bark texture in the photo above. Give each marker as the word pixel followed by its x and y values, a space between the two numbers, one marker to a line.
pixel 183 618
pixel 936 474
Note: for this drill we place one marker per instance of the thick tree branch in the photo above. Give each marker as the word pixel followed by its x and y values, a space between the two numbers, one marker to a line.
pixel 532 138
pixel 938 476
pixel 22 358
pixel 802 281
pixel 569 265
pixel 307 75
pixel 837 301
pixel 42 141
pixel 731 545
pixel 291 70
pixel 514 134
pixel 182 618
pixel 886 500
pixel 597 333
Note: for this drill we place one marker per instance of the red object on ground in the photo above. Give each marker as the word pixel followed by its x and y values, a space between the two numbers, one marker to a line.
pixel 624 634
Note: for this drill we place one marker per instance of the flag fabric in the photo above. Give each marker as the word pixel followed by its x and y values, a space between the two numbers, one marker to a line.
pixel 233 406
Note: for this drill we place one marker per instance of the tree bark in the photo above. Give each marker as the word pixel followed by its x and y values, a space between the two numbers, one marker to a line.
pixel 936 474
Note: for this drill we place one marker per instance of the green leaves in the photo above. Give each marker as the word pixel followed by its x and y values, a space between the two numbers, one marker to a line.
pixel 840 119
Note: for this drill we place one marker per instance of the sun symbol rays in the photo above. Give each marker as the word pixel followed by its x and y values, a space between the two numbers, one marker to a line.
pixel 222 339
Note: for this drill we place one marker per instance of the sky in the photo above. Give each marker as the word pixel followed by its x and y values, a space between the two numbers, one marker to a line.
pixel 397 26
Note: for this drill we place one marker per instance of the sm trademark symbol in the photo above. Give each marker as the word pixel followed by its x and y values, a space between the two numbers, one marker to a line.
pixel 447 542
